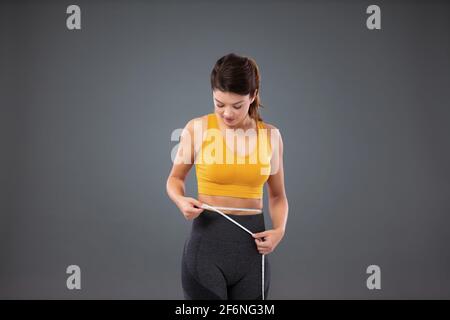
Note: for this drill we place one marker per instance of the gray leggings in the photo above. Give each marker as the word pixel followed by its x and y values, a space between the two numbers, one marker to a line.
pixel 220 260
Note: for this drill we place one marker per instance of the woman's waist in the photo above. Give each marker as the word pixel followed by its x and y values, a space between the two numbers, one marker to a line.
pixel 232 205
pixel 212 225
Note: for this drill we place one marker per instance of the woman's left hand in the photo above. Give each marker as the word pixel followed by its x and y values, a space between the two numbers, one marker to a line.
pixel 267 241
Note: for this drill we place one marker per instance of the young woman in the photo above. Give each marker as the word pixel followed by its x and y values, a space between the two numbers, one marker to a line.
pixel 220 260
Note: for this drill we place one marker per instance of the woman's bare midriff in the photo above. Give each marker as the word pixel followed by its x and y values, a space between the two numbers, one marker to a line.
pixel 222 201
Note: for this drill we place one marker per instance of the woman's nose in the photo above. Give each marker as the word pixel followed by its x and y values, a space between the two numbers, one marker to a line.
pixel 228 114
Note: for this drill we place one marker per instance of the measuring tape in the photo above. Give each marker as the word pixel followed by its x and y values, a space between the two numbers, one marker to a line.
pixel 216 209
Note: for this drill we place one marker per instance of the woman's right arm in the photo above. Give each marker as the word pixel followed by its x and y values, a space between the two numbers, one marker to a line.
pixel 183 162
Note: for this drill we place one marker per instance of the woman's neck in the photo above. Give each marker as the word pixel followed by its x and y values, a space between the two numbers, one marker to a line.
pixel 245 124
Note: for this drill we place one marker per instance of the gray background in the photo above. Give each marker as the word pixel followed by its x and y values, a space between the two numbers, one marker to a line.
pixel 86 119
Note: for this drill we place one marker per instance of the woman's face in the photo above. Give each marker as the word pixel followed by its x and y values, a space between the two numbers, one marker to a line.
pixel 231 107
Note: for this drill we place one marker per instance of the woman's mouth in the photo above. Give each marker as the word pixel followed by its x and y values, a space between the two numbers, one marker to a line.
pixel 228 120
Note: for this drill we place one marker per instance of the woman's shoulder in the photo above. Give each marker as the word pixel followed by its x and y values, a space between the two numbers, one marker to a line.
pixel 197 123
pixel 195 120
pixel 273 132
pixel 267 125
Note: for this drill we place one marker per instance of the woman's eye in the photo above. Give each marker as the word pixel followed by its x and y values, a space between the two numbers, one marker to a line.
pixel 236 107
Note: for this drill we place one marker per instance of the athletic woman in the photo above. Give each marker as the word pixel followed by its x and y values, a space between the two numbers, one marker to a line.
pixel 235 153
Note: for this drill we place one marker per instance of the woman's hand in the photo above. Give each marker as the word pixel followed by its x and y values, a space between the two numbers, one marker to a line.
pixel 267 241
pixel 190 207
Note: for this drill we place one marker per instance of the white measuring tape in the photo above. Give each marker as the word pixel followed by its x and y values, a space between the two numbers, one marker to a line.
pixel 205 206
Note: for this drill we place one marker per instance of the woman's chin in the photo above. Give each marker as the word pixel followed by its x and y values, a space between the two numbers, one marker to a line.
pixel 229 123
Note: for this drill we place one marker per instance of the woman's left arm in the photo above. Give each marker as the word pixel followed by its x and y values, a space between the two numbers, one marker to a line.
pixel 267 241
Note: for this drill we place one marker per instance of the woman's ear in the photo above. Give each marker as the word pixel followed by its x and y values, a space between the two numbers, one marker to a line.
pixel 254 96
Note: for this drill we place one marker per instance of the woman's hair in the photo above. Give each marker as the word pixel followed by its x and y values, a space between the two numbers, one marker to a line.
pixel 240 75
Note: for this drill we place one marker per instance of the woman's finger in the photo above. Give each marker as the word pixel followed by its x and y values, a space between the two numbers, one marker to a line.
pixel 262 244
pixel 193 210
pixel 196 202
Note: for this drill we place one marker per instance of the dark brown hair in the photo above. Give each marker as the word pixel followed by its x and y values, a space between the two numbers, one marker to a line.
pixel 240 75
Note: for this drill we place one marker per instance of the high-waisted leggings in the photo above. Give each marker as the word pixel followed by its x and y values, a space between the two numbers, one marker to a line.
pixel 220 260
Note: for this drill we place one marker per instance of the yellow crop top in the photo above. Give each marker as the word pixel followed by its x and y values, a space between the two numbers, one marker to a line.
pixel 222 172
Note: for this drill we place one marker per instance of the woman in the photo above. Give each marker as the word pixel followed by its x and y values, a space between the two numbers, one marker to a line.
pixel 221 260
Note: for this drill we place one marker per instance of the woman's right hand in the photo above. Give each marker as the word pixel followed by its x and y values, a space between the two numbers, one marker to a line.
pixel 190 207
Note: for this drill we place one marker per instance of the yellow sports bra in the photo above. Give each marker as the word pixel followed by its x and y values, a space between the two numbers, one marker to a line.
pixel 222 172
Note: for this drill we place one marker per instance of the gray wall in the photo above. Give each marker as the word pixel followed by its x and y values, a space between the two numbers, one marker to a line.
pixel 86 118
